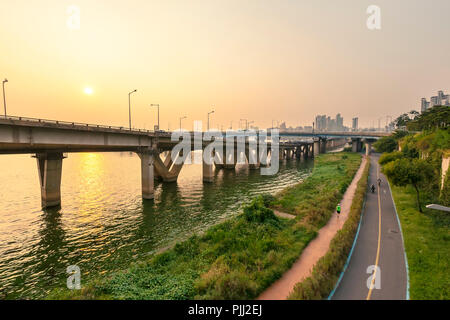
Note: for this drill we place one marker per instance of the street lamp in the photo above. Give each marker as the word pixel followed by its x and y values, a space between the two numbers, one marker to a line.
pixel 182 119
pixel 246 123
pixel 4 98
pixel 156 105
pixel 208 117
pixel 129 106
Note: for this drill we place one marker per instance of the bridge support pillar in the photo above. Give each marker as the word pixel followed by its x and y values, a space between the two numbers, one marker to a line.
pixel 219 159
pixel 50 171
pixel 323 145
pixel 356 145
pixel 316 148
pixel 208 167
pixel 368 147
pixel 231 158
pixel 253 158
pixel 147 175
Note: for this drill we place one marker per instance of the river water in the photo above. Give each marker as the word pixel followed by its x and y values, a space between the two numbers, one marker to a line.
pixel 103 224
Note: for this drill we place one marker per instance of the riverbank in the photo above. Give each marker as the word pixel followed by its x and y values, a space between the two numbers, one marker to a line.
pixel 241 257
pixel 426 237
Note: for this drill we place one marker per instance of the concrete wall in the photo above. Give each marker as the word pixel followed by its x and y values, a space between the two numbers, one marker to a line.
pixel 445 165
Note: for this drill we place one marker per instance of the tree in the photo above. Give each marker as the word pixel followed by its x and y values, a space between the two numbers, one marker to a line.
pixel 430 119
pixel 404 119
pixel 415 172
pixel 385 144
pixel 389 157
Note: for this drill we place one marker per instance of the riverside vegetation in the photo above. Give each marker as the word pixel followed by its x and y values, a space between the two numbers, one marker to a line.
pixel 241 257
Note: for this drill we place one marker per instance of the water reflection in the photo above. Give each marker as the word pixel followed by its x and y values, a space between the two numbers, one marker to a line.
pixel 104 224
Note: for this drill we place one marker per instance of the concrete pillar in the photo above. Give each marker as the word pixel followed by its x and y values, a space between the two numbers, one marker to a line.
pixel 230 156
pixel 253 158
pixel 323 146
pixel 50 171
pixel 368 148
pixel 316 148
pixel 208 167
pixel 219 159
pixel 354 145
pixel 147 175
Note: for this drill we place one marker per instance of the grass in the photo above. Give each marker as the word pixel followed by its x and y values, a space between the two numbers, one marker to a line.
pixel 241 257
pixel 427 245
pixel 316 198
pixel 327 270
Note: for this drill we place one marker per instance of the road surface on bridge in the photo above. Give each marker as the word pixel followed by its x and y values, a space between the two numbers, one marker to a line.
pixel 379 243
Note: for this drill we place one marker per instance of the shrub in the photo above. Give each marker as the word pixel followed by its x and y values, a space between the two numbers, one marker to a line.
pixel 256 211
pixel 385 144
pixel 388 157
pixel 268 199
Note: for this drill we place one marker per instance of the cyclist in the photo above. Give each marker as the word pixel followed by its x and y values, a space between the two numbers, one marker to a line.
pixel 338 209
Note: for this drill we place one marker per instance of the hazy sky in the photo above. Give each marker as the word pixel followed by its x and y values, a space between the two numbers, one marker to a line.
pixel 255 59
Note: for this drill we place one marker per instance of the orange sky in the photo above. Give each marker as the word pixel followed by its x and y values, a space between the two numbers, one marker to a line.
pixel 261 60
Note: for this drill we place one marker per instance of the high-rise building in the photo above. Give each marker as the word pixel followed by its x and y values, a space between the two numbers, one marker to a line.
pixel 440 100
pixel 325 123
pixel 339 122
pixel 321 123
pixel 355 124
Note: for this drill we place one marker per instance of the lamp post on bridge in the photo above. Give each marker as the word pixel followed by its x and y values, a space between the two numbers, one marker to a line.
pixel 4 97
pixel 246 121
pixel 156 105
pixel 129 106
pixel 208 118
pixel 182 119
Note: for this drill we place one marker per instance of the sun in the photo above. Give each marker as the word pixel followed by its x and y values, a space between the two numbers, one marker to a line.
pixel 88 91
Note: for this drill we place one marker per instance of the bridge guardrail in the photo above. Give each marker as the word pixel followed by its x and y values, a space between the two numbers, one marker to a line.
pixel 78 124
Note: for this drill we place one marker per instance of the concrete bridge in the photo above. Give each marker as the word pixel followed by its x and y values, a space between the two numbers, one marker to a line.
pixel 50 140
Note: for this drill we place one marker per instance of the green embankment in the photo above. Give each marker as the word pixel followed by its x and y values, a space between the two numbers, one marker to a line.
pixel 241 257
pixel 327 270
pixel 427 244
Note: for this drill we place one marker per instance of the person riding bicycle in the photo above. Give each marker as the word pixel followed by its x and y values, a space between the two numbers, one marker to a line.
pixel 372 188
pixel 379 181
pixel 338 209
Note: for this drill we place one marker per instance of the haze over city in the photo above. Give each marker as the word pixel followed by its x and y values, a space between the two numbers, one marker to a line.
pixel 260 60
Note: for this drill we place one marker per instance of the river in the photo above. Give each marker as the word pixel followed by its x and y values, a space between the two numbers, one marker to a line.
pixel 103 224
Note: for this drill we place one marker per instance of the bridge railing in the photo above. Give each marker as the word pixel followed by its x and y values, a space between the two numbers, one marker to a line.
pixel 73 124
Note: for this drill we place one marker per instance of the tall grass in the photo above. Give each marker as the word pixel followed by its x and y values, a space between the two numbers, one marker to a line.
pixel 327 270
pixel 239 258
pixel 427 243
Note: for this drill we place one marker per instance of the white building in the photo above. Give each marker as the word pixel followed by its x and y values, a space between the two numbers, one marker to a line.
pixel 440 100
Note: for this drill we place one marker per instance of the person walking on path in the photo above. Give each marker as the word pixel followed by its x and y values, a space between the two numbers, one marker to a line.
pixel 338 209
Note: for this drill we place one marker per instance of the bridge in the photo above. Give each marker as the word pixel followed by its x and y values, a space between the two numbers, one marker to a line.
pixel 50 140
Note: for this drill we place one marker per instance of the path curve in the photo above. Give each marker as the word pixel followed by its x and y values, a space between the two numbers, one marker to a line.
pixel 316 249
